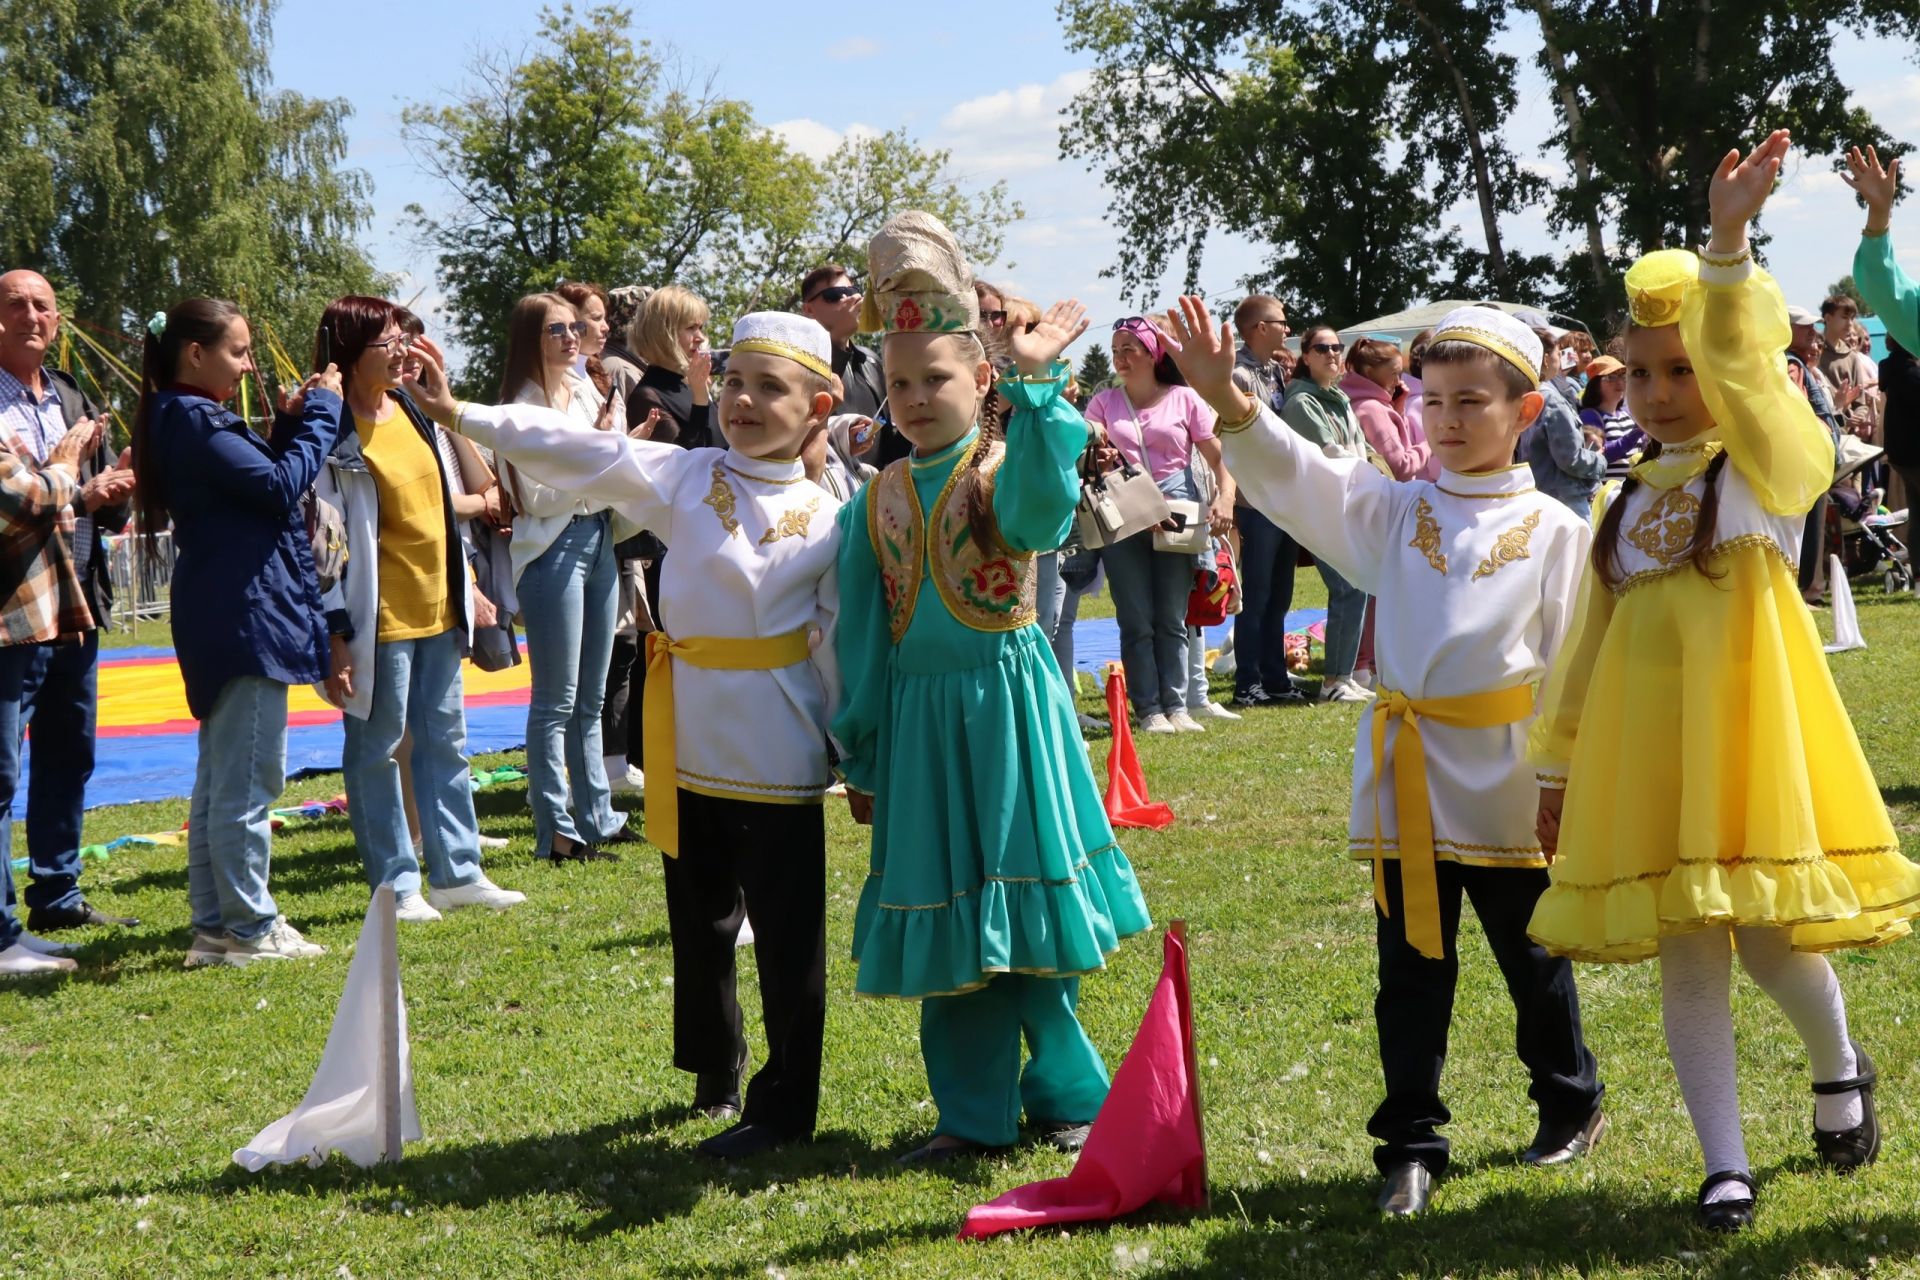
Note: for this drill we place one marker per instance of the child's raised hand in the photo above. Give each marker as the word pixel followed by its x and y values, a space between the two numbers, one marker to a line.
pixel 1205 356
pixel 1875 185
pixel 1035 350
pixel 1741 187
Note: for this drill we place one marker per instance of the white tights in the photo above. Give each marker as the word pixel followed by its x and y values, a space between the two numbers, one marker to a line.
pixel 1696 1008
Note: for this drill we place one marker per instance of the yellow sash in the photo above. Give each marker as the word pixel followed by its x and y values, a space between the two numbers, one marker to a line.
pixel 715 653
pixel 1419 881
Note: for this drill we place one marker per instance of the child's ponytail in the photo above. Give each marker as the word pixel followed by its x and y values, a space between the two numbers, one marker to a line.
pixel 1606 541
pixel 167 334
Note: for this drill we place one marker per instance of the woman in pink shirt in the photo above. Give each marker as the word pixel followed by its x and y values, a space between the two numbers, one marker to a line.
pixel 1381 401
pixel 1157 422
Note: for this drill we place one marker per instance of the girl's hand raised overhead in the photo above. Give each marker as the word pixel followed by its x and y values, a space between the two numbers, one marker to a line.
pixel 1875 185
pixel 1204 355
pixel 1741 187
pixel 1035 350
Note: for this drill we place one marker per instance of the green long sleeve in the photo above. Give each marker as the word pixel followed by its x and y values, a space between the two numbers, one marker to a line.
pixel 861 644
pixel 1889 291
pixel 1038 484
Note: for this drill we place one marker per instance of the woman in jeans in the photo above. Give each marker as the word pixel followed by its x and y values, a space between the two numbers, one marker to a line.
pixel 1319 410
pixel 1157 422
pixel 246 603
pixel 565 577
pixel 400 616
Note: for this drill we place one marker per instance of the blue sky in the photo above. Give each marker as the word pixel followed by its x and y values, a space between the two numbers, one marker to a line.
pixel 986 80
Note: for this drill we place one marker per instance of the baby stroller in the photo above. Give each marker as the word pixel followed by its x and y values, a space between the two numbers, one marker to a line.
pixel 1866 536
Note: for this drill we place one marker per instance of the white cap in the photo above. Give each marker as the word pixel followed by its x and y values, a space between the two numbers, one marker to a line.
pixel 1538 320
pixel 801 339
pixel 1506 336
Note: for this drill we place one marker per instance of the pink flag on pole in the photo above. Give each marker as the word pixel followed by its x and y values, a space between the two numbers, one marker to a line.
pixel 1147 1143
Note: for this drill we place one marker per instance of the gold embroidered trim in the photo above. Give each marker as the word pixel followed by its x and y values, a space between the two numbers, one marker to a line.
pixel 757 786
pixel 1235 428
pixel 1509 547
pixel 1484 497
pixel 897 548
pixel 748 475
pixel 1551 780
pixel 1763 541
pixel 1440 842
pixel 720 498
pixel 1741 861
pixel 786 350
pixel 750 797
pixel 1085 863
pixel 1426 536
pixel 1666 527
pixel 792 524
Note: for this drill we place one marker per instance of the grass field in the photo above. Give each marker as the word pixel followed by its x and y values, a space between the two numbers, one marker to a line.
pixel 556 1144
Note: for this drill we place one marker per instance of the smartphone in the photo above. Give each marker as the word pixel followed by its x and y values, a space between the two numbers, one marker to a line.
pixel 1178 520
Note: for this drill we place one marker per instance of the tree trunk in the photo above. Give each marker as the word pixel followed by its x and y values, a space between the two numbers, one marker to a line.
pixel 1476 146
pixel 1576 143
pixel 1699 160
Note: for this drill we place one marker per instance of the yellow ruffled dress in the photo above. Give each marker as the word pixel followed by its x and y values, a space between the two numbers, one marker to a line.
pixel 1712 773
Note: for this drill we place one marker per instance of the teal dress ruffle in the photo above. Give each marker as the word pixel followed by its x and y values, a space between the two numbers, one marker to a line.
pixel 992 852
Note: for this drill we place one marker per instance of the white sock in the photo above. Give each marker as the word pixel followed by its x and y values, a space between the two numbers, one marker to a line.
pixel 1805 988
pixel 1695 1007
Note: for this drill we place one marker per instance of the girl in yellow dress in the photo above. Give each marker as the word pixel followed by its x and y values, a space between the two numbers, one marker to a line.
pixel 1700 777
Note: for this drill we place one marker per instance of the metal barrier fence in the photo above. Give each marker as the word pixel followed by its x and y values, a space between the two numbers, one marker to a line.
pixel 142 585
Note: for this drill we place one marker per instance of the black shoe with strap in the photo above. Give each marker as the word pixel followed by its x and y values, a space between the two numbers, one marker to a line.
pixel 941 1149
pixel 580 853
pixel 745 1140
pixel 1845 1150
pixel 53 919
pixel 1726 1215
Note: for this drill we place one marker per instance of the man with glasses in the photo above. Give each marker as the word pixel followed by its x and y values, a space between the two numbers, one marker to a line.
pixel 1268 553
pixel 50 617
pixel 828 295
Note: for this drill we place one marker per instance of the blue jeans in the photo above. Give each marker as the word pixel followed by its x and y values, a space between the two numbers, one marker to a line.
pixel 416 684
pixel 1268 555
pixel 567 601
pixel 1346 614
pixel 241 772
pixel 1150 590
pixel 52 686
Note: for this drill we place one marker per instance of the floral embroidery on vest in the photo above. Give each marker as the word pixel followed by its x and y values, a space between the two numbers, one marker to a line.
pixel 721 499
pixel 984 591
pixel 1665 528
pixel 1426 536
pixel 792 524
pixel 1508 547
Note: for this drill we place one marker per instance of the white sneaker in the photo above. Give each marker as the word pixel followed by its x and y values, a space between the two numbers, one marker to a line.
pixel 1157 723
pixel 623 779
pixel 42 946
pixel 414 909
pixel 207 948
pixel 1092 722
pixel 1213 711
pixel 1363 678
pixel 492 842
pixel 480 893
pixel 281 942
pixel 1343 690
pixel 18 962
pixel 745 937
pixel 1184 723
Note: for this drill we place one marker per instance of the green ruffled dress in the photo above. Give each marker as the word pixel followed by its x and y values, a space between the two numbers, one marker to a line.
pixel 992 852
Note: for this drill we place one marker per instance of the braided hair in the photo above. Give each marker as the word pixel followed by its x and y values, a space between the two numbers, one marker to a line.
pixel 1606 541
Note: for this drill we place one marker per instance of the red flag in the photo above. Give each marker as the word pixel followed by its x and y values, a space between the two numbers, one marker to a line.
pixel 1127 803
pixel 1147 1143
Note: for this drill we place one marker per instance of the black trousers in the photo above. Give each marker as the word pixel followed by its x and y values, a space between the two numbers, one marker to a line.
pixel 1414 1009
pixel 621 709
pixel 768 862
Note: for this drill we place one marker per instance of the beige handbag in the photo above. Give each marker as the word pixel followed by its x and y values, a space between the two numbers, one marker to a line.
pixel 1115 506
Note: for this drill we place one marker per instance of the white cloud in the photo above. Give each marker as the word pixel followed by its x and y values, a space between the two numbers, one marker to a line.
pixel 817 141
pixel 853 48
pixel 1013 131
pixel 1890 97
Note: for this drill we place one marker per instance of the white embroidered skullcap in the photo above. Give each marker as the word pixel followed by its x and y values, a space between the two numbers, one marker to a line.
pixel 800 339
pixel 1498 332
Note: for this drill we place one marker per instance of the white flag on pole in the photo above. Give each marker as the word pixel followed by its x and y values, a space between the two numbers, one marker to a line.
pixel 1846 621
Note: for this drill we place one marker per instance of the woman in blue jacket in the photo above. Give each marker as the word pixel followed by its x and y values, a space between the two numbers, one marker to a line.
pixel 247 621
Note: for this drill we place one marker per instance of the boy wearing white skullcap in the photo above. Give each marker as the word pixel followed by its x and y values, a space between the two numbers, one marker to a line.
pixel 741 680
pixel 1474 573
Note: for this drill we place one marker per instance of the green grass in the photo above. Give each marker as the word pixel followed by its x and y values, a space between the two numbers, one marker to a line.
pixel 555 1144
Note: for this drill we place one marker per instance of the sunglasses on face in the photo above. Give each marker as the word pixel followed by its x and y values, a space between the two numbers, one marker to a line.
pixel 835 293
pixel 559 331
pixel 997 319
pixel 1325 348
pixel 403 342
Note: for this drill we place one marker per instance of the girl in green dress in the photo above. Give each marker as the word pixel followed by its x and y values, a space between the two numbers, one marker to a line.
pixel 995 881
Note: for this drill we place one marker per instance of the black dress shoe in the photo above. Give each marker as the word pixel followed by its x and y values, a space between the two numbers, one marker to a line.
pixel 1406 1191
pixel 1726 1215
pixel 743 1141
pixel 716 1094
pixel 942 1149
pixel 1847 1149
pixel 50 919
pixel 1560 1143
pixel 625 835
pixel 580 853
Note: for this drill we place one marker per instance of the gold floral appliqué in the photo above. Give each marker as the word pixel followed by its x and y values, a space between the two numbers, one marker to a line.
pixel 1426 536
pixel 721 499
pixel 1665 529
pixel 792 524
pixel 1508 547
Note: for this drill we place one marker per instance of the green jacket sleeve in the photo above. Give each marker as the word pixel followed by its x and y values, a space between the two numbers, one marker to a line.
pixel 1891 292
pixel 1038 484
pixel 861 644
pixel 1305 415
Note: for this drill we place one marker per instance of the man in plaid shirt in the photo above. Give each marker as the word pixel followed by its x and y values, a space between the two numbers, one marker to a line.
pixel 57 489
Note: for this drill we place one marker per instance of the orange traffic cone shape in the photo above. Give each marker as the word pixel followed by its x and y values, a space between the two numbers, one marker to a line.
pixel 1147 1143
pixel 1127 803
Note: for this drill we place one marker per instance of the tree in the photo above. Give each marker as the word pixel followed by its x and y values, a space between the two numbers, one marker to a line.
pixel 576 159
pixel 146 157
pixel 1095 371
pixel 1845 287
